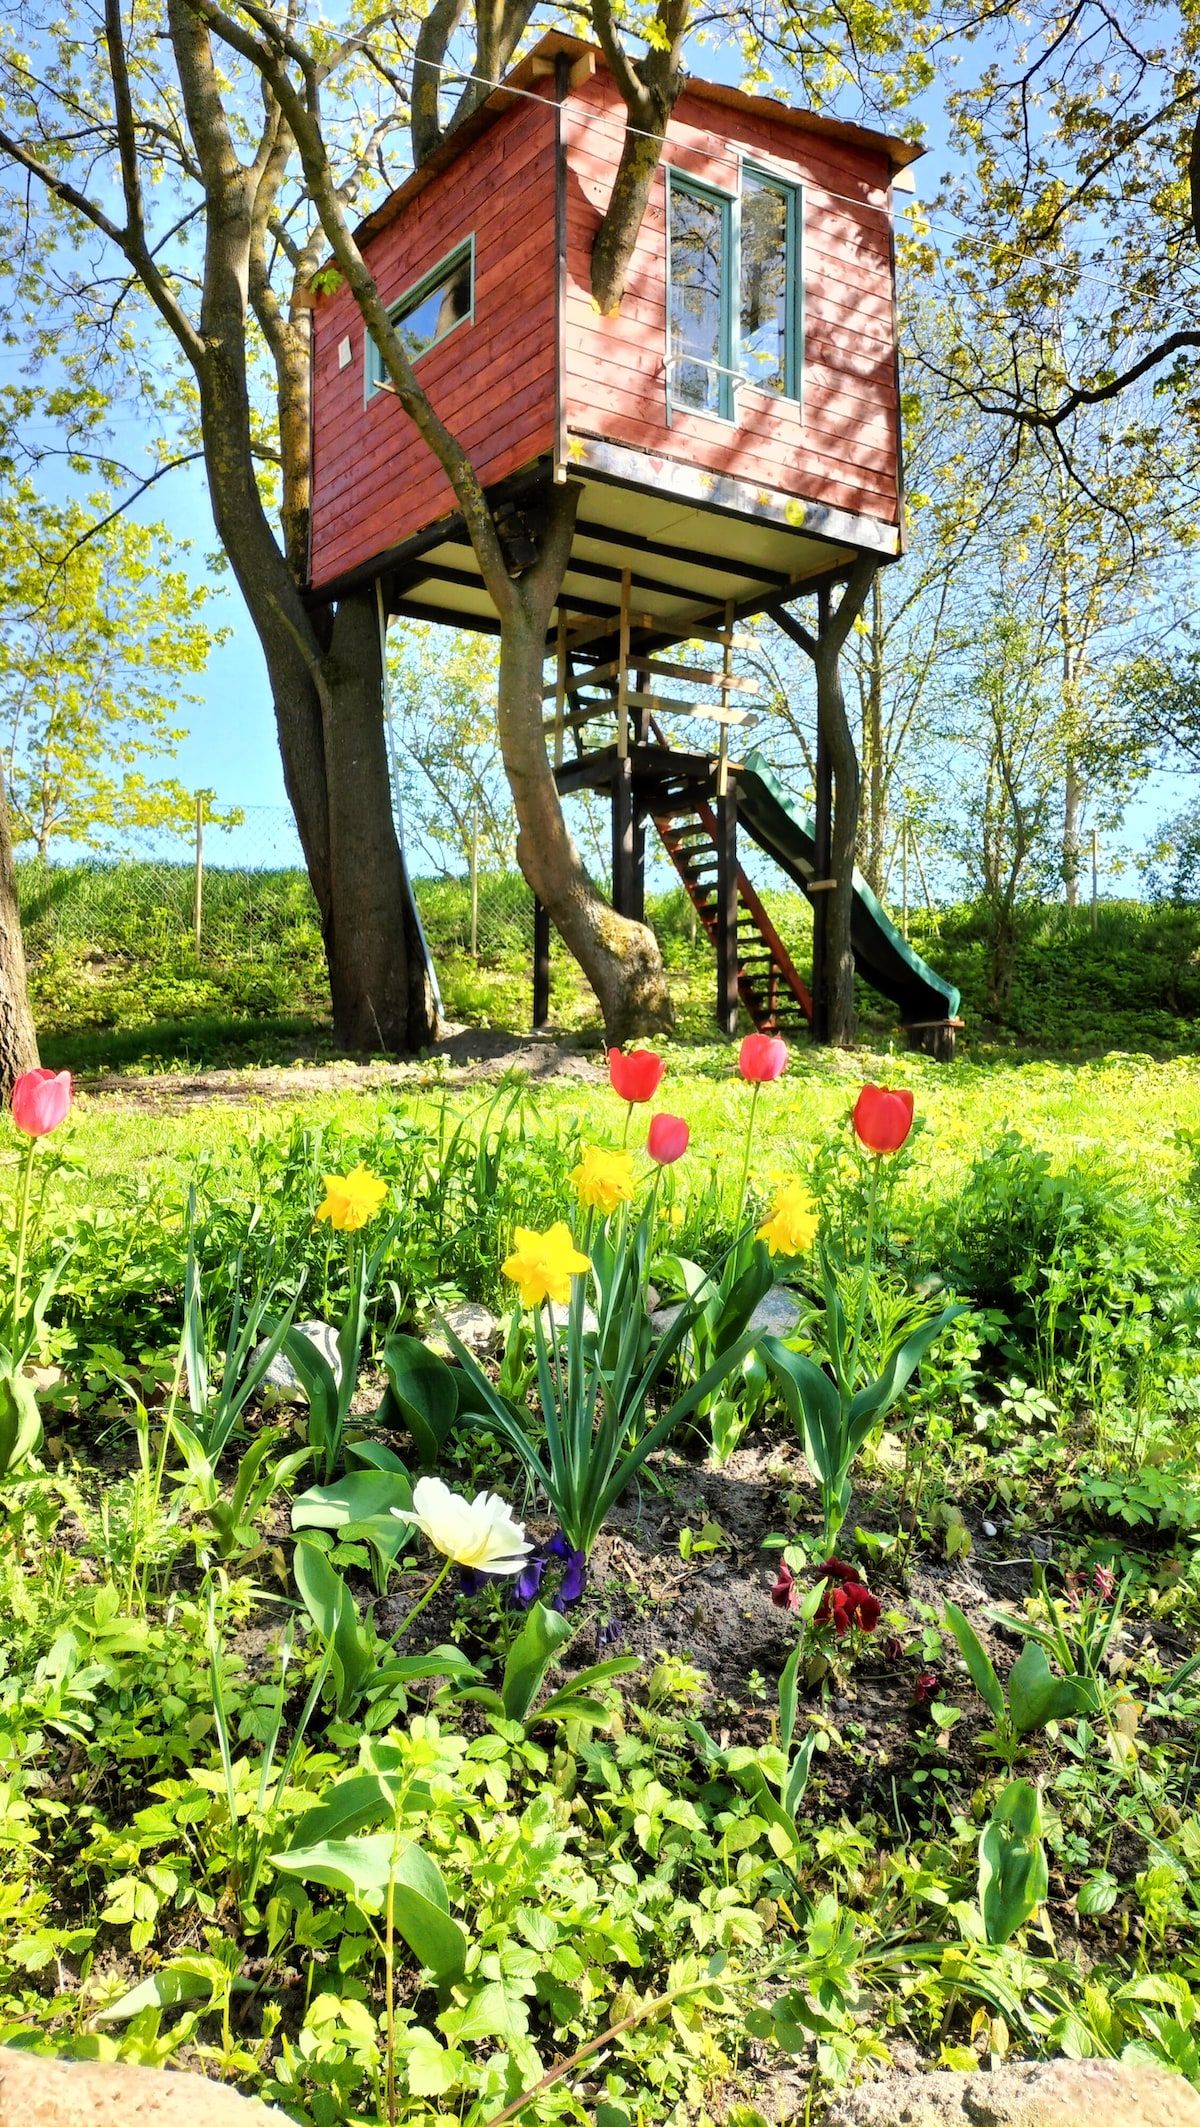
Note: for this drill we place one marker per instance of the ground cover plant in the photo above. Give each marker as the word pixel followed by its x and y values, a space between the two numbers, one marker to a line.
pixel 580 1724
pixel 116 980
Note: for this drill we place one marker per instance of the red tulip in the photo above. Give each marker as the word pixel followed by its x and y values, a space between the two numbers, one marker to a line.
pixel 762 1058
pixel 668 1139
pixel 636 1075
pixel 882 1119
pixel 41 1100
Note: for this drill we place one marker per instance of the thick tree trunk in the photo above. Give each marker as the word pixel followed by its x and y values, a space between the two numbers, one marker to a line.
pixel 18 1042
pixel 650 87
pixel 620 959
pixel 382 997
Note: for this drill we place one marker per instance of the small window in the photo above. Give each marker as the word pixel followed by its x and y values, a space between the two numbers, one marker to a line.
pixel 699 334
pixel 734 292
pixel 426 313
pixel 768 285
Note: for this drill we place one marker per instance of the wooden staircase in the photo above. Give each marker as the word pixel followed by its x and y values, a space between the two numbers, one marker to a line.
pixel 768 983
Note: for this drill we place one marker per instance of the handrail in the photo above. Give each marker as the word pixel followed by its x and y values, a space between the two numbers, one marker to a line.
pixel 701 362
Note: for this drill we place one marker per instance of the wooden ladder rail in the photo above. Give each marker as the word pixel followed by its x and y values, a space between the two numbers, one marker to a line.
pixel 783 967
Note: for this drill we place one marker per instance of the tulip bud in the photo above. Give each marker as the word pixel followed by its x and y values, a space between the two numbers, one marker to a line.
pixel 668 1139
pixel 882 1119
pixel 762 1058
pixel 41 1100
pixel 635 1075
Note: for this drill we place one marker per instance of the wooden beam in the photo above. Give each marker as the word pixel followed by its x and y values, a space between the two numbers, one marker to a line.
pixel 662 705
pixel 714 564
pixel 661 670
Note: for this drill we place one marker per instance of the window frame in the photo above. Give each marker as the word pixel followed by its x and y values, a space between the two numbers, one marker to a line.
pixel 376 379
pixel 729 203
pixel 793 324
pixel 733 378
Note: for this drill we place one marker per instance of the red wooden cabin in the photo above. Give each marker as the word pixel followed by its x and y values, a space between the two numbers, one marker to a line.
pixel 735 427
pixel 735 431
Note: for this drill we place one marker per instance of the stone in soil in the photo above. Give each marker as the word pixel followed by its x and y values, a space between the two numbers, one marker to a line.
pixel 281 1383
pixel 476 1327
pixel 777 1314
pixel 1057 2093
pixel 37 2091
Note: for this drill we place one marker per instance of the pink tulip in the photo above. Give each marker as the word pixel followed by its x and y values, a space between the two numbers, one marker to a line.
pixel 41 1100
pixel 636 1074
pixel 762 1058
pixel 668 1139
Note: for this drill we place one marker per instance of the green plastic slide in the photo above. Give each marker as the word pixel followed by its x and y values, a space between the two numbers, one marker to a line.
pixel 881 956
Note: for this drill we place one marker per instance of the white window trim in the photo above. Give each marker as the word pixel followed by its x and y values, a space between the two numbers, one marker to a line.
pixel 374 382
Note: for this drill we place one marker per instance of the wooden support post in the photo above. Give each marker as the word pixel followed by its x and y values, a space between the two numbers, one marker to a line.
pixel 823 839
pixel 541 965
pixel 198 903
pixel 623 672
pixel 560 689
pixel 474 882
pixel 727 912
pixel 624 836
pixel 727 674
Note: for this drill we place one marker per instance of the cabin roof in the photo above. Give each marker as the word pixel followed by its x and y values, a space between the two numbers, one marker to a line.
pixel 535 65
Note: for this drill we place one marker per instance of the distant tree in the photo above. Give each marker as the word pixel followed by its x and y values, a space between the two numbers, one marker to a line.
pixel 97 631
pixel 442 693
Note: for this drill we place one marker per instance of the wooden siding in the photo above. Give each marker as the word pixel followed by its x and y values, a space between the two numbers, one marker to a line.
pixel 839 444
pixel 492 380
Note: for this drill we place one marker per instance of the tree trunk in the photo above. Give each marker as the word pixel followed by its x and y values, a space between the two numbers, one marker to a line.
pixel 18 1041
pixel 825 650
pixel 621 959
pixel 1072 802
pixel 382 996
pixel 847 788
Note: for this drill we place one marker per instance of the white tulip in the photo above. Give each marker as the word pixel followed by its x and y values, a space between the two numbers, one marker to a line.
pixel 477 1532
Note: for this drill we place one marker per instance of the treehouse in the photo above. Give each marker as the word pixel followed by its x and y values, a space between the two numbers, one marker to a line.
pixel 733 428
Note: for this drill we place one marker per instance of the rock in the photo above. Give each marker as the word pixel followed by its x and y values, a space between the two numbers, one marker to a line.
pixel 777 1313
pixel 281 1383
pixel 1058 2093
pixel 39 2091
pixel 560 1316
pixel 476 1327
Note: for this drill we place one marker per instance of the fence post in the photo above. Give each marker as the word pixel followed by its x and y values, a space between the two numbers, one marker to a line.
pixel 475 883
pixel 198 906
pixel 1095 876
pixel 904 879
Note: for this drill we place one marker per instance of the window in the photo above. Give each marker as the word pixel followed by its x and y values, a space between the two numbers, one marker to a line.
pixel 699 268
pixel 768 284
pixel 719 243
pixel 426 313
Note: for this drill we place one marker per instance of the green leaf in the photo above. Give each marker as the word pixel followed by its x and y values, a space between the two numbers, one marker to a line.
pixel 531 1654
pixel 814 1406
pixel 20 1422
pixel 332 1609
pixel 360 1505
pixel 874 1401
pixel 425 1393
pixel 1036 1695
pixel 1013 1877
pixel 788 1696
pixel 362 1868
pixel 983 1675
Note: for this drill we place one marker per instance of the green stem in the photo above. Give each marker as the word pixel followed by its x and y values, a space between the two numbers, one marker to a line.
pixel 428 1596
pixel 628 1120
pixel 746 1154
pixel 864 1288
pixel 22 1230
pixel 389 1966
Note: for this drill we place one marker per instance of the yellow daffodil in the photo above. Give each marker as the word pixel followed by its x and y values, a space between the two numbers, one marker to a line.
pixel 541 1264
pixel 603 1179
pixel 351 1199
pixel 792 1226
pixel 477 1532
